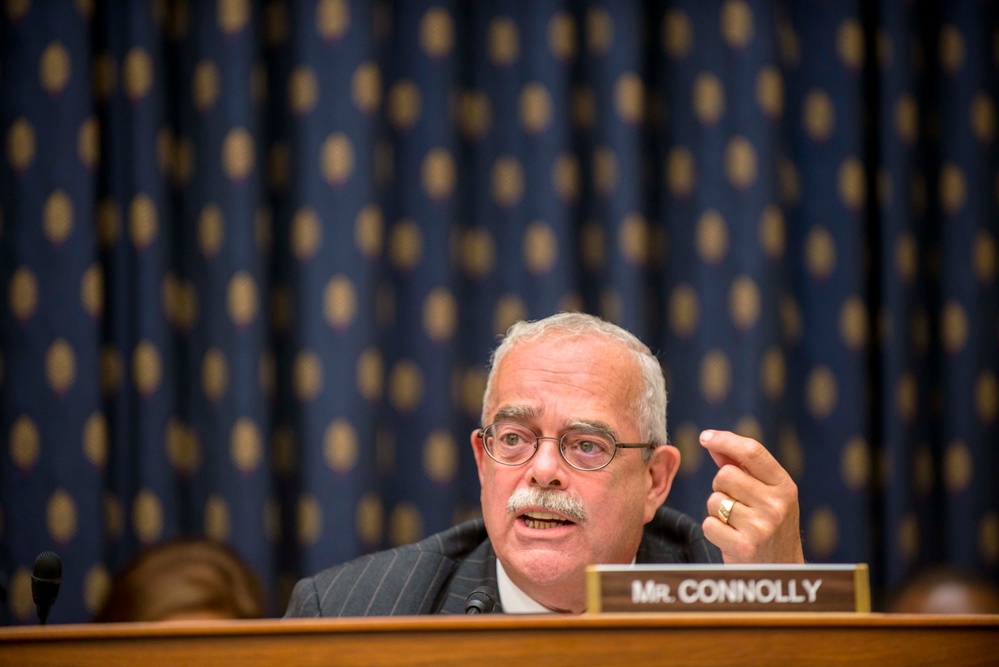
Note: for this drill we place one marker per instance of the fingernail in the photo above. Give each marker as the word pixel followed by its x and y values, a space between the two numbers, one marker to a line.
pixel 707 435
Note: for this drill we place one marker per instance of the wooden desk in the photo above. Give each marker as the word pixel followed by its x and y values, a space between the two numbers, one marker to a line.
pixel 548 641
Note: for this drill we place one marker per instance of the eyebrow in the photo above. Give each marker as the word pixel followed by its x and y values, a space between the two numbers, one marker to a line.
pixel 517 412
pixel 590 425
pixel 528 412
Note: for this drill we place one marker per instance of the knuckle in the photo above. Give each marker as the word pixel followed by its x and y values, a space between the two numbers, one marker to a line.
pixel 756 453
pixel 764 530
pixel 745 551
pixel 726 474
pixel 776 511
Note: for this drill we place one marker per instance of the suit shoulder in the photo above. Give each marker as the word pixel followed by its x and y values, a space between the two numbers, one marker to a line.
pixel 674 537
pixel 454 542
pixel 404 580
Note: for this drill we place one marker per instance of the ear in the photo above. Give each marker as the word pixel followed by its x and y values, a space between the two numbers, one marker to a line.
pixel 478 449
pixel 663 466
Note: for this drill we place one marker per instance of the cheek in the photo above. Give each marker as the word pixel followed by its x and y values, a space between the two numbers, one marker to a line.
pixel 495 490
pixel 625 503
pixel 620 528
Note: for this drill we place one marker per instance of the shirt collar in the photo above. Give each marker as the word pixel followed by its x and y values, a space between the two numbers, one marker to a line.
pixel 513 599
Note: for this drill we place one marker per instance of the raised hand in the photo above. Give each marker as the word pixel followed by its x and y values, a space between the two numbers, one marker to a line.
pixel 753 514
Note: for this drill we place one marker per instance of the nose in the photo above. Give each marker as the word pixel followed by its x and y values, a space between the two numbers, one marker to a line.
pixel 547 464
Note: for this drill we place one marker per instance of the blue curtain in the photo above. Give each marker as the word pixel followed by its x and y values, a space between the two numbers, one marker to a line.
pixel 254 256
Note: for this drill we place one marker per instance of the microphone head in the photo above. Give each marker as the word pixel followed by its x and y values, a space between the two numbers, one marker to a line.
pixel 46 575
pixel 481 601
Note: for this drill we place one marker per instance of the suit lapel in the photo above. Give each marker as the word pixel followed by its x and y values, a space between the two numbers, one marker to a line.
pixel 478 569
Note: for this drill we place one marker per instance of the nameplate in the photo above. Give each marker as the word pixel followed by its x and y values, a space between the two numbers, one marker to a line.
pixel 728 588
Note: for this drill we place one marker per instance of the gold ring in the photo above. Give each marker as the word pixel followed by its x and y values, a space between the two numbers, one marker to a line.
pixel 725 509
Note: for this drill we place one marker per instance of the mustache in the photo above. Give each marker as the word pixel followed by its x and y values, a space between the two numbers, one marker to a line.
pixel 557 502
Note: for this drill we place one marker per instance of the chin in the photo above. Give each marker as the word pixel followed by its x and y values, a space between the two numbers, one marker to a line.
pixel 548 568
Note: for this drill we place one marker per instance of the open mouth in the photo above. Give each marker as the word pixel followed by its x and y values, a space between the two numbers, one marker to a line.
pixel 544 520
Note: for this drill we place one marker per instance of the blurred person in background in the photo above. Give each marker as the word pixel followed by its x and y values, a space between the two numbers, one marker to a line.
pixel 187 579
pixel 945 590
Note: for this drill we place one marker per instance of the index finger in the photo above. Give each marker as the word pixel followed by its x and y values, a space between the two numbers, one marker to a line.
pixel 727 448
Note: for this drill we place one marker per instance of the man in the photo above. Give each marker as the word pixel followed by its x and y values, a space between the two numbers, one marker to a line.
pixel 574 467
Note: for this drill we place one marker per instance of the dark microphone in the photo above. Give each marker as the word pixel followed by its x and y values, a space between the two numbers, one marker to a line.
pixel 46 575
pixel 480 601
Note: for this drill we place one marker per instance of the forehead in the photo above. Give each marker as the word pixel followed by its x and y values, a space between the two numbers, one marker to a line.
pixel 580 376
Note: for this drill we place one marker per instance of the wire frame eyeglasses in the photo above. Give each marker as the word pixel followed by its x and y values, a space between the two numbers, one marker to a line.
pixel 513 444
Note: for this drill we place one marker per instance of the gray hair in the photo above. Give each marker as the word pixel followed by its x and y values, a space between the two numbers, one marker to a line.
pixel 650 409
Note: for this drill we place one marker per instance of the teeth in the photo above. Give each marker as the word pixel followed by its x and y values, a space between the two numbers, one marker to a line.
pixel 543 520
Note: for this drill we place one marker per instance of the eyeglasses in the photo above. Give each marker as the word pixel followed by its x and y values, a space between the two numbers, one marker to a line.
pixel 513 444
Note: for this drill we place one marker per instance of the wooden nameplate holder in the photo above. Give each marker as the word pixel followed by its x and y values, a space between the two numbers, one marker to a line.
pixel 728 588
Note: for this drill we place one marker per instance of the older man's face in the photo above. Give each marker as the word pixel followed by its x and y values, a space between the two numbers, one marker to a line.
pixel 550 385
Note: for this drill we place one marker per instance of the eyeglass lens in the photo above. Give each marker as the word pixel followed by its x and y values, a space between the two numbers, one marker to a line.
pixel 511 443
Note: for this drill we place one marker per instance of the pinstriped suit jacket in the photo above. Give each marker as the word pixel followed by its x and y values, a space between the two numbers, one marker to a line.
pixel 435 575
